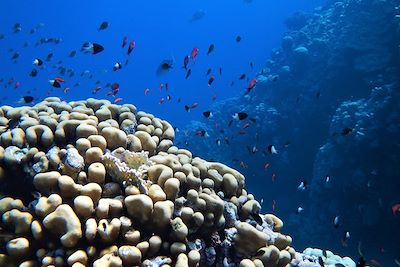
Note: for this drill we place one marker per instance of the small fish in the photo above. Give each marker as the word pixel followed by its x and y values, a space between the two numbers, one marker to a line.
pixel 104 25
pixel 208 72
pixel 210 49
pixel 199 14
pixel 165 66
pixel 189 71
pixel 115 86
pixel 117 100
pixel 274 78
pixel 17 27
pixel 220 71
pixel 266 165
pixel 186 61
pixel 55 83
pixel 207 114
pixel 95 90
pixel 246 125
pixel 218 142
pixel 33 72
pixel 195 52
pixel 162 100
pixel 238 38
pixel 251 85
pixel 72 53
pixel 302 186
pixel 15 56
pixel 131 46
pixel 361 262
pixel 375 262
pixel 273 205
pixel 336 222
pixel 37 62
pixel 345 238
pixel 117 66
pixel 396 209
pixel 272 149
pixel 202 133
pixel 251 65
pixel 242 76
pixel 327 179
pixel 299 210
pixel 211 80
pixel 347 131
pixel 232 83
pixel 194 105
pixel 240 116
pixel 124 41
pixel 66 89
pixel 146 91
pixel 92 48
pixel 26 100
pixel 49 57
pixel 169 97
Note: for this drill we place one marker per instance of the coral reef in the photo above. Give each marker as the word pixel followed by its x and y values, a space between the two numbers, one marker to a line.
pixel 95 195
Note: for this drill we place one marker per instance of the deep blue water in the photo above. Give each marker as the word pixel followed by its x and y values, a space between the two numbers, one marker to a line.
pixel 161 30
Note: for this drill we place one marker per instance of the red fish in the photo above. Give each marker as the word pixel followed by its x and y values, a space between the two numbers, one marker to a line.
pixel 251 85
pixel 110 93
pixel 117 100
pixel 115 86
pixel 194 53
pixel 162 100
pixel 246 125
pixel 95 90
pixel 194 105
pixel 266 165
pixel 66 89
pixel 273 204
pixel 17 85
pixel 161 86
pixel 124 41
pixel 186 61
pixel 132 45
pixel 375 262
pixel 396 209
pixel 58 79
pixel 146 91
pixel 210 81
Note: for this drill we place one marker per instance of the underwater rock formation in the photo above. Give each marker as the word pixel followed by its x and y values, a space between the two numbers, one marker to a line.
pixel 332 65
pixel 102 197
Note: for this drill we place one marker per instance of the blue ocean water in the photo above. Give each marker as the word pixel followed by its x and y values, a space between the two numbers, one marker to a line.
pixel 326 98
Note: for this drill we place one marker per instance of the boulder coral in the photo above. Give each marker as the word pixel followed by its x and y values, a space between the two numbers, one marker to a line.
pixel 90 183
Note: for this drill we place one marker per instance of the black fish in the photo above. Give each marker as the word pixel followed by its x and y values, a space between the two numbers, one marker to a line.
pixel 189 71
pixel 17 27
pixel 251 65
pixel 33 73
pixel 210 49
pixel 117 66
pixel 238 38
pixel 93 48
pixel 207 114
pixel 230 123
pixel 103 26
pixel 208 72
pixel 15 56
pixel 187 108
pixel 347 131
pixel 165 66
pixel 72 53
pixel 220 71
pixel 361 262
pixel 240 116
pixel 26 99
pixel 257 218
pixel 241 77
pixel 49 57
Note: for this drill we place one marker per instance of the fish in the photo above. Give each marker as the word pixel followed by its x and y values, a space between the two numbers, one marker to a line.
pixel 165 66
pixel 299 210
pixel 273 205
pixel 17 27
pixel 347 131
pixel 208 71
pixel 55 83
pixel 124 41
pixel 72 53
pixel 238 38
pixel 345 238
pixel 162 100
pixel 210 49
pixel 66 89
pixel 336 222
pixel 194 53
pixel 26 99
pixel 131 46
pixel 186 61
pixel 375 262
pixel 201 133
pixel 207 114
pixel 397 261
pixel 92 48
pixel 396 209
pixel 189 71
pixel 33 72
pixel 37 62
pixel 327 179
pixel 15 56
pixel 242 76
pixel 251 85
pixel 302 186
pixel 272 149
pixel 169 97
pixel 104 25
pixel 218 142
pixel 220 71
pixel 117 100
pixel 274 78
pixel 95 90
pixel 49 57
pixel 246 125
pixel 211 80
pixel 240 116
pixel 198 15
pixel 321 261
pixel 251 65
pixel 117 66
pixel 146 91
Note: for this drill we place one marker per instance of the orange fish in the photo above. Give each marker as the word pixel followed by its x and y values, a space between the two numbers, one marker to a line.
pixel 246 125
pixel 251 85
pixel 161 86
pixel 66 89
pixel 124 42
pixel 194 105
pixel 266 165
pixel 117 100
pixel 210 81
pixel 194 53
pixel 95 90
pixel 146 91
pixel 131 46
pixel 58 79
